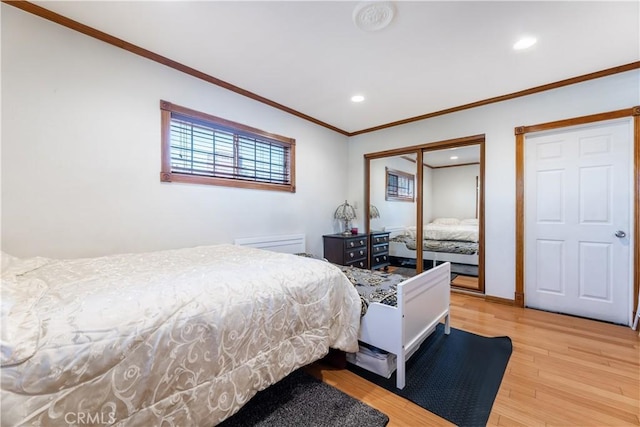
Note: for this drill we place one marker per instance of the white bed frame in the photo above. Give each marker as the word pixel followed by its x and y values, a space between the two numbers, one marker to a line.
pixel 423 301
pixel 399 249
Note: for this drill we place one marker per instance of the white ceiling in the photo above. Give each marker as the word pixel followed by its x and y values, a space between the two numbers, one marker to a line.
pixel 464 155
pixel 309 56
pixel 443 158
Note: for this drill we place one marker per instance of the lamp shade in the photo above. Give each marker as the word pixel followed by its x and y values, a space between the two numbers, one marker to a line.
pixel 373 212
pixel 345 212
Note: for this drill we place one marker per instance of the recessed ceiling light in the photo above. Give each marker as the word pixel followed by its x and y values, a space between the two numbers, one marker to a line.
pixel 525 43
pixel 454 157
pixel 357 98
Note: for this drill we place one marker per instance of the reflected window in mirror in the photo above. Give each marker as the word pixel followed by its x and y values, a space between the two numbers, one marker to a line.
pixel 399 186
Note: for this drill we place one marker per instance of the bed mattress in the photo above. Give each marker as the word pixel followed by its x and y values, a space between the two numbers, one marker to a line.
pixel 462 233
pixel 180 337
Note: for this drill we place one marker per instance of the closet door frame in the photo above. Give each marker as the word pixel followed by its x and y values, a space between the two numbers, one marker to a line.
pixel 520 133
pixel 418 150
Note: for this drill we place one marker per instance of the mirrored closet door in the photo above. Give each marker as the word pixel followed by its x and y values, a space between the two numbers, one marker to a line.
pixel 432 194
pixel 393 189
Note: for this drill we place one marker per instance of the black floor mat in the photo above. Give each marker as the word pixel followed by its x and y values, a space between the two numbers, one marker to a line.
pixel 455 376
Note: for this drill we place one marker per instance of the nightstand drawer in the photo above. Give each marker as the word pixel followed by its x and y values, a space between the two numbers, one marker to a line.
pixel 378 239
pixel 378 249
pixel 380 259
pixel 359 264
pixel 356 253
pixel 355 243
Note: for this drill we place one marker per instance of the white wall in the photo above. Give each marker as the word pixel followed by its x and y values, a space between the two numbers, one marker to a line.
pixel 453 192
pixel 497 121
pixel 427 194
pixel 81 154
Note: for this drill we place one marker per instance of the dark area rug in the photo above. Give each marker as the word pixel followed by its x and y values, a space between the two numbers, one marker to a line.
pixel 302 400
pixel 456 377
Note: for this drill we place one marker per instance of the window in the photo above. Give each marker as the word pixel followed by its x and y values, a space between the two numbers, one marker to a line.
pixel 203 149
pixel 399 185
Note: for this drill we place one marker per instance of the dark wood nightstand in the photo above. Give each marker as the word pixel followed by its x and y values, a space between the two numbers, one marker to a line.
pixel 379 250
pixel 352 249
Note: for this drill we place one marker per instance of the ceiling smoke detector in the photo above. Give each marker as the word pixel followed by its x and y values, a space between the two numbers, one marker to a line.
pixel 373 16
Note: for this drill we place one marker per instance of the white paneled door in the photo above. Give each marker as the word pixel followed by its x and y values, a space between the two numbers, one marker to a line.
pixel 578 220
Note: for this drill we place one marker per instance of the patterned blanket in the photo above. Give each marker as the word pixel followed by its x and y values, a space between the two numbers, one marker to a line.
pixel 372 285
pixel 449 246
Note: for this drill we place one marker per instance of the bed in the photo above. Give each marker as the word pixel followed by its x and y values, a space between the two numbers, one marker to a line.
pixel 399 318
pixel 444 240
pixel 178 337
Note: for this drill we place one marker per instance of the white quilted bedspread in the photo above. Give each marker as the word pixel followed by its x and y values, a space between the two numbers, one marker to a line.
pixel 463 233
pixel 177 338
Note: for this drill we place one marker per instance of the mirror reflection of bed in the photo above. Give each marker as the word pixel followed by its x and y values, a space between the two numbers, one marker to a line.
pixel 445 239
pixel 451 211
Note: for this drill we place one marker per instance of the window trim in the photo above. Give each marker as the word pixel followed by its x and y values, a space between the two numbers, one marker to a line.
pixel 398 174
pixel 167 175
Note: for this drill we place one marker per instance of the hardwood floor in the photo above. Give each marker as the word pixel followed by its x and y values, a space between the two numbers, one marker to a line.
pixel 564 371
pixel 460 281
pixel 467 282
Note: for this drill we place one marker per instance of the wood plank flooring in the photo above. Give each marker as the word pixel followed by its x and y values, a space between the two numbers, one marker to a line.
pixel 460 281
pixel 564 371
pixel 467 282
